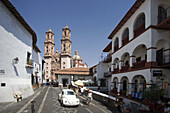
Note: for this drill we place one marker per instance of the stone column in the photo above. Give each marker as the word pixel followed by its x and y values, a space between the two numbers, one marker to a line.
pixel 151 57
pixel 130 91
pixel 120 64
pixel 132 60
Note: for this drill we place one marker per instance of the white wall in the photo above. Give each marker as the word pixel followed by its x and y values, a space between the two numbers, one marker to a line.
pixel 16 41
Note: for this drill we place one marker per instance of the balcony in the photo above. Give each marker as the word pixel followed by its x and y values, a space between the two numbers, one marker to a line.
pixel 125 68
pixel 139 64
pixel 116 70
pixel 107 74
pixel 125 41
pixel 29 63
pixel 165 24
pixel 116 47
pixel 139 30
pixel 108 58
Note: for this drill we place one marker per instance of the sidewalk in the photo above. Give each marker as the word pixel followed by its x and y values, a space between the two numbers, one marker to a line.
pixel 5 105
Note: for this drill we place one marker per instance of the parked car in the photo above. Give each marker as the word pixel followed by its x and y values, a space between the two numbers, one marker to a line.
pixel 68 98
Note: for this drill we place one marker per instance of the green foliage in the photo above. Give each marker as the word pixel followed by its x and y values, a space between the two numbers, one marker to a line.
pixel 95 83
pixel 154 92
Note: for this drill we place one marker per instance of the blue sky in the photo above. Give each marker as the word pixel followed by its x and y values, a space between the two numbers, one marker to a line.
pixel 90 21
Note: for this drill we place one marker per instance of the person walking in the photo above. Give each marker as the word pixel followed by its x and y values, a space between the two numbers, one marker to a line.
pixel 90 97
pixel 82 90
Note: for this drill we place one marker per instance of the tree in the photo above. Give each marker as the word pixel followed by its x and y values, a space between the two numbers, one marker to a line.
pixel 154 92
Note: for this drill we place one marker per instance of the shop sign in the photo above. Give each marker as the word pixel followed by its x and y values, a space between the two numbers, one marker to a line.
pixel 157 73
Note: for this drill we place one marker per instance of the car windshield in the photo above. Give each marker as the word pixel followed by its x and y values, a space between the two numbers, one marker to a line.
pixel 70 93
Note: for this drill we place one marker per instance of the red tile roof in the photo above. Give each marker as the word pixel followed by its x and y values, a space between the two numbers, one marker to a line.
pixel 73 71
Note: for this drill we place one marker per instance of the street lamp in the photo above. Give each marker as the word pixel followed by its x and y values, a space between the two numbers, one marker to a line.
pixel 15 60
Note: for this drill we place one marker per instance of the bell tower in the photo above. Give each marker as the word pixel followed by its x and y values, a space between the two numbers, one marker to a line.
pixel 48 54
pixel 66 48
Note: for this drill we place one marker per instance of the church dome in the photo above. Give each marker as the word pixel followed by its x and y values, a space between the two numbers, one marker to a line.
pixel 76 56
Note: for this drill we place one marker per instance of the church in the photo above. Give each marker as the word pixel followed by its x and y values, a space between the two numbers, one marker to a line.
pixel 62 67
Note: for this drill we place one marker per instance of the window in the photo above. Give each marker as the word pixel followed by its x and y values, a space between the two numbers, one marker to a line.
pixel 110 69
pixel 47 49
pixel 64 47
pixel 65 33
pixel 29 61
pixel 28 56
pixel 139 25
pixel 116 44
pixel 63 67
pixel 138 59
pixel 63 62
pixel 162 15
pixel 125 37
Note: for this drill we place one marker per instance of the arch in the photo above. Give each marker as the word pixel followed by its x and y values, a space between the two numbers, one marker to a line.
pixel 139 24
pixel 140 53
pixel 139 83
pixel 115 82
pixel 125 82
pixel 162 14
pixel 125 36
pixel 116 63
pixel 125 58
pixel 162 56
pixel 116 44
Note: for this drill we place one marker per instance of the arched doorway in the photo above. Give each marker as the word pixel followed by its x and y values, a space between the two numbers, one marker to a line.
pixel 124 86
pixel 138 86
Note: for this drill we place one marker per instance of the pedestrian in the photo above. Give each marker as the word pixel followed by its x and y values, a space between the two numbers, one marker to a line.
pixel 90 97
pixel 82 90
pixel 151 107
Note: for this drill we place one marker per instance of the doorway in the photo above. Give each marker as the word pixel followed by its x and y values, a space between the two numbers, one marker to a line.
pixel 65 82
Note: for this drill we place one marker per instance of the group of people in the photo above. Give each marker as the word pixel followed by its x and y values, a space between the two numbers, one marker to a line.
pixel 88 93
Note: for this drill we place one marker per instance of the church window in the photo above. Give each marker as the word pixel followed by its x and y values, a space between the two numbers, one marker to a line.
pixel 64 47
pixel 47 49
pixel 63 62
pixel 65 33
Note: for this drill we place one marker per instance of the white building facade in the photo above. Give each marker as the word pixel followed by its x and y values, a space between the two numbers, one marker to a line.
pixel 141 48
pixel 16 46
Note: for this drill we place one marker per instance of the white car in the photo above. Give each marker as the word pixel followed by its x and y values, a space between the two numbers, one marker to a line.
pixel 68 98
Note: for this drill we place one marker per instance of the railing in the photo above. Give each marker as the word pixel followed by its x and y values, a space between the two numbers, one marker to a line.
pixel 139 30
pixel 116 47
pixel 116 70
pixel 125 68
pixel 108 58
pixel 107 74
pixel 139 64
pixel 125 40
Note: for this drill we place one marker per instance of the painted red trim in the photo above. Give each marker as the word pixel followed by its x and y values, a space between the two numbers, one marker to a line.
pixel 152 48
pixel 151 26
pixel 166 49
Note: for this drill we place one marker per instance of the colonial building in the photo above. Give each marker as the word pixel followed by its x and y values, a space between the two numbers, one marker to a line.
pixel 56 61
pixel 140 49
pixel 18 54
